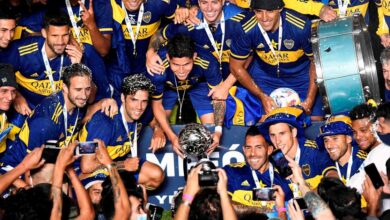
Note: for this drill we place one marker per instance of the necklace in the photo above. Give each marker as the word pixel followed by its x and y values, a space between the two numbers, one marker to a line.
pixel 181 100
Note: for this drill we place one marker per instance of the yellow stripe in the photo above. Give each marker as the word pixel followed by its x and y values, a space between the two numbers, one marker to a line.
pixel 28 45
pixel 166 63
pixel 294 23
pixel 253 24
pixel 28 49
pixel 239 57
pixel 201 64
pixel 28 52
pixel 361 157
pixel 157 96
pixel 340 118
pixel 327 169
pixel 296 18
pixel 55 111
pixel 105 29
pixel 202 60
pixel 250 21
pixel 286 110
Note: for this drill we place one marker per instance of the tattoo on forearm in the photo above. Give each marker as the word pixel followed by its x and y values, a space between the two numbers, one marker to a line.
pixel 219 112
pixel 120 165
pixel 157 40
pixel 314 203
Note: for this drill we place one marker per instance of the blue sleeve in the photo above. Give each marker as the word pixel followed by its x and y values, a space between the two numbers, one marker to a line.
pixel 212 74
pixel 103 16
pixel 306 43
pixel 231 186
pixel 159 82
pixel 98 127
pixel 168 7
pixel 387 95
pixel 11 55
pixel 325 162
pixel 241 45
pixel 172 29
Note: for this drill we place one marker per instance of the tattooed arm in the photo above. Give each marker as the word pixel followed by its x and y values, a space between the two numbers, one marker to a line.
pixel 121 200
pixel 219 115
pixel 154 63
pixel 64 158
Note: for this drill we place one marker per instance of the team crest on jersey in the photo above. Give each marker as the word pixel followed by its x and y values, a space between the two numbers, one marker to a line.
pixel 245 183
pixel 228 42
pixel 34 75
pixel 260 46
pixel 288 43
pixel 147 16
pixel 306 169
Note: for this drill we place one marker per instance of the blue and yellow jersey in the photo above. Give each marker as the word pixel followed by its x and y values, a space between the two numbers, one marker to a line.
pixel 204 70
pixel 102 13
pixel 113 133
pixel 5 128
pixel 26 57
pixel 46 122
pixel 383 16
pixel 154 11
pixel 241 184
pixel 313 7
pixel 314 162
pixel 293 56
pixel 358 157
pixel 233 15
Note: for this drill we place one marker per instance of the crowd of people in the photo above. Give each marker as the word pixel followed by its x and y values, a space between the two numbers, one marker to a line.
pixel 80 80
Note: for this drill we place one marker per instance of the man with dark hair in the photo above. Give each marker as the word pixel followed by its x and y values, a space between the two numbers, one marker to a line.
pixel 7 27
pixel 336 137
pixel 187 69
pixel 121 133
pixel 364 133
pixel 279 40
pixel 38 62
pixel 284 127
pixel 258 173
pixel 382 117
pixel 56 118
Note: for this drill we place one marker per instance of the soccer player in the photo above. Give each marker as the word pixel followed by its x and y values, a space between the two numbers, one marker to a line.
pixel 284 127
pixel 384 21
pixel 257 172
pixel 217 27
pixel 135 21
pixel 280 40
pixel 7 27
pixel 55 118
pixel 8 88
pixel 362 117
pixel 120 133
pixel 336 136
pixel 191 70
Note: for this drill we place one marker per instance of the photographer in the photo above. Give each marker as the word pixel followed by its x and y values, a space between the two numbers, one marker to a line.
pixel 203 203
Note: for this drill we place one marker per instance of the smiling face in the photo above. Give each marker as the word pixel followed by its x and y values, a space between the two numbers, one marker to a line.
pixel 211 10
pixel 283 138
pixel 363 134
pixel 78 91
pixel 135 105
pixel 7 96
pixel 57 37
pixel 256 151
pixel 181 66
pixel 132 5
pixel 269 20
pixel 7 30
pixel 338 147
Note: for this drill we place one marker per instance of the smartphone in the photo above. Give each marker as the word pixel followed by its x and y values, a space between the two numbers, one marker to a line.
pixel 263 194
pixel 281 163
pixel 374 175
pixel 51 151
pixel 388 168
pixel 301 203
pixel 155 212
pixel 86 148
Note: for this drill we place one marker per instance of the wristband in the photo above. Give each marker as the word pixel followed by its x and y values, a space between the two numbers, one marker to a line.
pixel 281 209
pixel 218 128
pixel 187 197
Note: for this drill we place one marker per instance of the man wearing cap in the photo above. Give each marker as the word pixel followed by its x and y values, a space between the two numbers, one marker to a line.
pixel 257 173
pixel 285 129
pixel 336 136
pixel 280 41
pixel 8 88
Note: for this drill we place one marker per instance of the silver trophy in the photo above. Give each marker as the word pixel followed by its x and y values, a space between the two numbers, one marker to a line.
pixel 194 139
